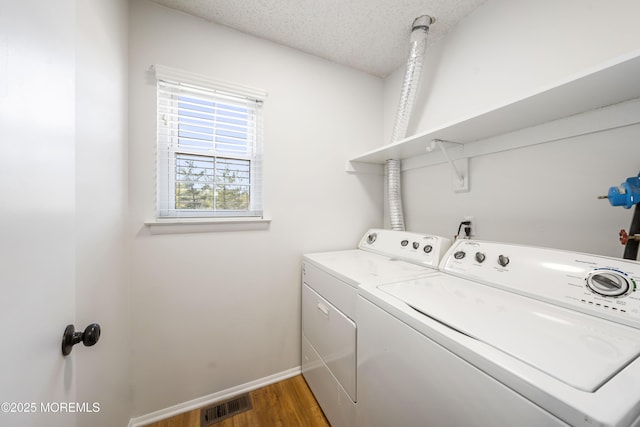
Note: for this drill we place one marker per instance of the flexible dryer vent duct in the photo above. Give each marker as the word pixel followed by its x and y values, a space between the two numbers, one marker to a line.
pixel 412 74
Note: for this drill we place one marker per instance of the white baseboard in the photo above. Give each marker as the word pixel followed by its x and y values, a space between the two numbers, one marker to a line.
pixel 212 398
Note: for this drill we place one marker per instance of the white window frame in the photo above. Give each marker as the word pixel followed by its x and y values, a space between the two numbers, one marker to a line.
pixel 168 148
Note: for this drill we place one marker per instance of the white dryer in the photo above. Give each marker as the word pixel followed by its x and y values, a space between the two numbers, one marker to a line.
pixel 504 335
pixel 330 283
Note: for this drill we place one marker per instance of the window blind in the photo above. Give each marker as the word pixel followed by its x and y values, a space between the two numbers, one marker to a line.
pixel 209 147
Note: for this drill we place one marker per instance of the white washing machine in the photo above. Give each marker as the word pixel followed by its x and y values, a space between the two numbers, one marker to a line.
pixel 330 283
pixel 504 335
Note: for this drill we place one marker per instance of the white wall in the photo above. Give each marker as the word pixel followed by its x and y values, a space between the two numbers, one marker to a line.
pixel 542 195
pixel 102 293
pixel 216 310
pixel 508 49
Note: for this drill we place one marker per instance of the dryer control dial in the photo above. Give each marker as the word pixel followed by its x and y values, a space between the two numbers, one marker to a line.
pixel 503 260
pixel 459 255
pixel 609 283
pixel 372 238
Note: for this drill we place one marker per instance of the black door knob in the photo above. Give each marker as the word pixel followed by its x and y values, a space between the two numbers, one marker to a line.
pixel 89 337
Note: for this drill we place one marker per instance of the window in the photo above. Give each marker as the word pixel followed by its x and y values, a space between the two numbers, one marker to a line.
pixel 209 150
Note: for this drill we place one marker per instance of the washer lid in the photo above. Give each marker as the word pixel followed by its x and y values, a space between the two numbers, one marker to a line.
pixel 356 266
pixel 580 350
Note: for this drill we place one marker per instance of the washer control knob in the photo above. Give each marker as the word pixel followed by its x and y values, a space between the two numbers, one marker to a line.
pixel 427 249
pixel 503 260
pixel 608 283
pixel 480 257
pixel 404 243
pixel 459 255
pixel 416 245
pixel 372 238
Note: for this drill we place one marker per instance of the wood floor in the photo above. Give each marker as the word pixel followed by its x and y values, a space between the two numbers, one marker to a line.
pixel 288 403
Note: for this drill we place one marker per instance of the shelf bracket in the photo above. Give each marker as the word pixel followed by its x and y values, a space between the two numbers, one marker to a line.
pixel 362 168
pixel 460 171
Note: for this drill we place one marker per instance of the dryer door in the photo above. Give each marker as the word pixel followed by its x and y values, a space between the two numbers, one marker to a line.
pixel 332 335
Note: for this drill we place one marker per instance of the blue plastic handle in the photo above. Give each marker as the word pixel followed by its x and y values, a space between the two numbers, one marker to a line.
pixel 626 194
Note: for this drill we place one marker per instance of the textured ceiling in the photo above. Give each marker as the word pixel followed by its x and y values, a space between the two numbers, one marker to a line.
pixel 368 35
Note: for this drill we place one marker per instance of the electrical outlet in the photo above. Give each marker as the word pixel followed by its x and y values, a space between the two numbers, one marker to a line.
pixel 474 231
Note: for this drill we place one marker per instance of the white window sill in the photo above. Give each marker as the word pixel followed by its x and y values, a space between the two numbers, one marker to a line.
pixel 206 225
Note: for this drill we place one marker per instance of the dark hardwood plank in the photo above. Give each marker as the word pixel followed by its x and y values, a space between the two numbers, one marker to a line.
pixel 283 404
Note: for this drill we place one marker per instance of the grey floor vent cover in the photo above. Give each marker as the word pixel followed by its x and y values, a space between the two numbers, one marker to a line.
pixel 223 410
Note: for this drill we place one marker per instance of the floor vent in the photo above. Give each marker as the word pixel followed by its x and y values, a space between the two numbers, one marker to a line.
pixel 223 410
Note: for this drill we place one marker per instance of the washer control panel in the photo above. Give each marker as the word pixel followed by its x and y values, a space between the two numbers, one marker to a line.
pixel 609 282
pixel 417 248
pixel 597 285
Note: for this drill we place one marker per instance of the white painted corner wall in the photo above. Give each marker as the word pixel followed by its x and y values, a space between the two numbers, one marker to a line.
pixel 540 195
pixel 508 49
pixel 202 322
pixel 214 310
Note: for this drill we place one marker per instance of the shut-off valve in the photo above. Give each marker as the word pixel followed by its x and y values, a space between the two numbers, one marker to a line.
pixel 626 195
